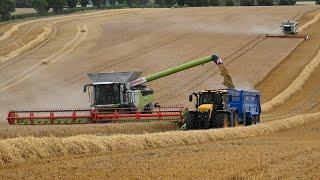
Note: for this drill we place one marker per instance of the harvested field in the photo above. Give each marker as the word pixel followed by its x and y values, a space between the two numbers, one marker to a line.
pixel 287 154
pixel 98 129
pixel 13 150
pixel 285 145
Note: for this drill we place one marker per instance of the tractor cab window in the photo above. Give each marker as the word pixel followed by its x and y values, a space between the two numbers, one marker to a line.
pixel 105 94
pixel 211 98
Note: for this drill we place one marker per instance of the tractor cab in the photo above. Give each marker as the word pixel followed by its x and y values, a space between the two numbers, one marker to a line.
pixel 210 100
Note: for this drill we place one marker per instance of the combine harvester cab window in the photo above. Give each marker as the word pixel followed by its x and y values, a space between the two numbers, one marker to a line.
pixel 107 94
pixel 287 28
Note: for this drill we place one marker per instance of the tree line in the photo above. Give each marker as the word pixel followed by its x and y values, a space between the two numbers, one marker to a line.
pixel 42 6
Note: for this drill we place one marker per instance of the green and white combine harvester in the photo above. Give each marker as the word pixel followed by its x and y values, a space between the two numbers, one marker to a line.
pixel 124 97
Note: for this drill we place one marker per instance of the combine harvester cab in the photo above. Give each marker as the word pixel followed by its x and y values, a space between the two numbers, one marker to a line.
pixel 224 108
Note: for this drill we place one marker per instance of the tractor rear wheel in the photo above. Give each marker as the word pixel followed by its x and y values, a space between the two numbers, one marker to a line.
pixel 191 120
pixel 221 120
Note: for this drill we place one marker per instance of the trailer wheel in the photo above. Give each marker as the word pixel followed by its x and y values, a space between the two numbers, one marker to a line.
pixel 221 120
pixel 191 120
pixel 249 121
pixel 235 119
pixel 258 119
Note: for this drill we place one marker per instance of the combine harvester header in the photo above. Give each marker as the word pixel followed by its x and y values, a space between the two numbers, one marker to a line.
pixel 118 97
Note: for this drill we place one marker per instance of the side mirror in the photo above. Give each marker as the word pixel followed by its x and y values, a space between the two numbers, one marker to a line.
pixel 190 97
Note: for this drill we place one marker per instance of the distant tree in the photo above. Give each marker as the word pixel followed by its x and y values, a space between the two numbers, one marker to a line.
pixel 6 8
pixel 167 3
pixel 41 6
pixel 23 4
pixel 229 3
pixel 246 2
pixel 97 3
pixel 203 3
pixel 265 2
pixel 283 2
pixel 292 2
pixel 160 2
pixel 180 2
pixel 111 2
pixel 72 3
pixel 318 2
pixel 215 2
pixel 190 2
pixel 84 3
pixel 57 5
pixel 197 2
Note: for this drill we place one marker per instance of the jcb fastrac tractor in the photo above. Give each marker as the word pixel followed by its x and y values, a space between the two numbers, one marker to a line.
pixel 223 108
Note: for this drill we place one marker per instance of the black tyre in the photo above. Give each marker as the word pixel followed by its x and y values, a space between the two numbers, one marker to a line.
pixel 258 119
pixel 220 120
pixel 203 120
pixel 235 119
pixel 249 121
pixel 191 120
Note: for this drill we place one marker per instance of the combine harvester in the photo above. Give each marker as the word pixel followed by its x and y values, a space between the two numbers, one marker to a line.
pixel 289 30
pixel 124 97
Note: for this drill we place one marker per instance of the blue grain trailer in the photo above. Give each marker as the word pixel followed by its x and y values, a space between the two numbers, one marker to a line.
pixel 223 108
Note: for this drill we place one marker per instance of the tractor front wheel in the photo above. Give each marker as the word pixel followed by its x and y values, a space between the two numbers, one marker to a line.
pixel 191 120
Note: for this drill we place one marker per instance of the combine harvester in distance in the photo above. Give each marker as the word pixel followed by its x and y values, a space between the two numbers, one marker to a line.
pixel 289 30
